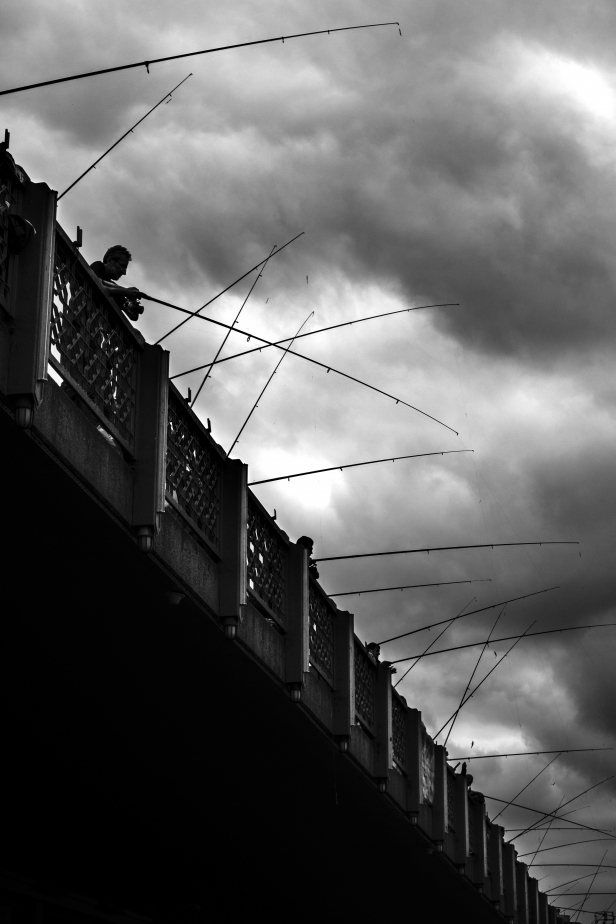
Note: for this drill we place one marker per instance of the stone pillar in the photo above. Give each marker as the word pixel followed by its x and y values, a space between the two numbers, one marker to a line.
pixel 151 421
pixel 233 545
pixel 344 677
pixel 297 642
pixel 497 892
pixel 383 729
pixel 30 304
pixel 439 812
pixel 522 883
pixel 461 821
pixel 510 882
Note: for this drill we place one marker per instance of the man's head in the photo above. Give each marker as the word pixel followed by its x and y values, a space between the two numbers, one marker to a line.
pixel 116 261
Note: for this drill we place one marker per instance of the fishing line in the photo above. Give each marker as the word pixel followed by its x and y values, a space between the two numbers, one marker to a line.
pixel 451 622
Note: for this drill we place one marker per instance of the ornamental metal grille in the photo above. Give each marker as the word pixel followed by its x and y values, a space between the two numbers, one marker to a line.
pixel 398 726
pixel 451 801
pixel 193 470
pixel 321 633
pixel 365 684
pixel 93 345
pixel 8 198
pixel 427 767
pixel 266 560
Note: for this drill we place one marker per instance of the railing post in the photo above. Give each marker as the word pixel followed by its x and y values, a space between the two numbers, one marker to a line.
pixel 522 884
pixel 533 901
pixel 461 821
pixel 383 727
pixel 496 865
pixel 510 881
pixel 543 908
pixel 480 845
pixel 233 545
pixel 297 651
pixel 152 402
pixel 439 814
pixel 31 304
pixel 344 674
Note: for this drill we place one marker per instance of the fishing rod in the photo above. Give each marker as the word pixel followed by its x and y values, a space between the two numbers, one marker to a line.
pixel 568 882
pixel 193 314
pixel 545 834
pixel 457 712
pixel 256 404
pixel 228 334
pixel 564 805
pixel 190 54
pixel 591 865
pixel 578 824
pixel 434 641
pixel 315 362
pixel 527 754
pixel 376 590
pixel 492 606
pixel 92 167
pixel 592 880
pixel 335 468
pixel 439 548
pixel 508 638
pixel 311 333
pixel 470 696
pixel 595 840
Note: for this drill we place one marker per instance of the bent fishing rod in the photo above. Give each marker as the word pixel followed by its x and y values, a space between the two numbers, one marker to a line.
pixel 526 754
pixel 311 333
pixel 462 615
pixel 378 590
pixel 327 366
pixel 194 314
pixel 336 468
pixel 507 638
pixel 167 97
pixel 192 54
pixel 440 548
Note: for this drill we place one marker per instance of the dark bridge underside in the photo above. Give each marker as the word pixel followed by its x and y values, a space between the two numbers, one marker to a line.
pixel 153 764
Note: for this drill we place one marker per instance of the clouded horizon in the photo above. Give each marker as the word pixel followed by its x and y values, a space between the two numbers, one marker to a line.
pixel 471 160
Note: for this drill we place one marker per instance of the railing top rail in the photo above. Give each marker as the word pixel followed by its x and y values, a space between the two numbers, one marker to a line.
pixel 253 499
pixel 139 340
pixel 187 412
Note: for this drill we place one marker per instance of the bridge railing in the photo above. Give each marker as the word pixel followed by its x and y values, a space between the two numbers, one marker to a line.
pixel 194 471
pixel 267 554
pixel 322 615
pixel 93 348
pixel 365 688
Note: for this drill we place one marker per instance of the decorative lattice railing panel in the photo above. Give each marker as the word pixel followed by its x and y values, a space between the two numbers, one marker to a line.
pixel 267 555
pixel 365 685
pixel 451 800
pixel 427 767
pixel 321 633
pixel 94 347
pixel 398 724
pixel 194 469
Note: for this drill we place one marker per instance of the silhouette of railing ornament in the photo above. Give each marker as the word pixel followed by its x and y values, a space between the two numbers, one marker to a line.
pixel 194 469
pixel 92 347
pixel 267 552
pixel 365 686
pixel 398 724
pixel 321 632
pixel 451 801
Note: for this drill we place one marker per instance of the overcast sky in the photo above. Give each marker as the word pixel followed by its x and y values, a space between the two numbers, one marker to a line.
pixel 471 160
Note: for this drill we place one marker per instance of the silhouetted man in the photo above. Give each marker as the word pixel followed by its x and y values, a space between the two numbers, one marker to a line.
pixel 111 268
